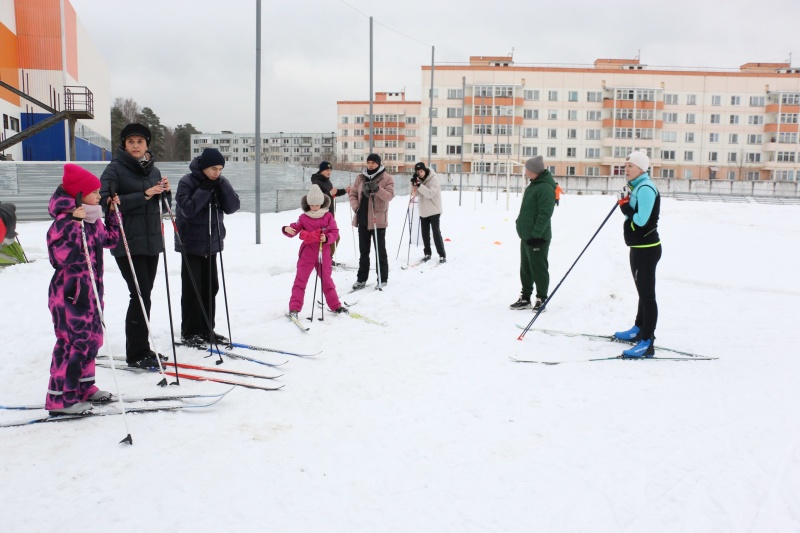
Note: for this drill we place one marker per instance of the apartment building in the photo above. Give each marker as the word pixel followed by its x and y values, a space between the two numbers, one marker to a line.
pixel 302 149
pixel 395 132
pixel 584 121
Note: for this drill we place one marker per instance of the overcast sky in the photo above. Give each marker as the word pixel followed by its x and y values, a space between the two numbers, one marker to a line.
pixel 194 60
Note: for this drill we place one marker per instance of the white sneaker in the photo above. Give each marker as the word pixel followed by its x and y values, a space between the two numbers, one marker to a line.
pixel 101 396
pixel 75 409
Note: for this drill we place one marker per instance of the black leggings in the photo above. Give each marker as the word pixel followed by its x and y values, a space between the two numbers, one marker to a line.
pixel 137 343
pixel 643 267
pixel 426 224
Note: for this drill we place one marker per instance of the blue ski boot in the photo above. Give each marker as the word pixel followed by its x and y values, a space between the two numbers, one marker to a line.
pixel 631 335
pixel 645 348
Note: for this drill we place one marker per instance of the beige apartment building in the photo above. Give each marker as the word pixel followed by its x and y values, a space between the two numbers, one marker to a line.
pixel 695 124
pixel 396 132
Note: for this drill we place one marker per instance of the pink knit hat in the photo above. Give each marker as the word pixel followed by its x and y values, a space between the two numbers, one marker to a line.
pixel 77 179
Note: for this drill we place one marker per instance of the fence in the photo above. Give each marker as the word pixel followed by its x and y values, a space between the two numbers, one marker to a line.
pixel 31 184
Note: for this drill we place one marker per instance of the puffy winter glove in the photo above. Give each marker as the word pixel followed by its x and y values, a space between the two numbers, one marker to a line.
pixel 415 181
pixel 310 236
pixel 208 185
pixel 371 187
pixel 626 208
pixel 8 221
pixel 535 242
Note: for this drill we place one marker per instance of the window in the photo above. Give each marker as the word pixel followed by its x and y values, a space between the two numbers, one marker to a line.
pixel 573 96
pixel 786 157
pixel 788 118
pixel 411 120
pixel 481 166
pixel 592 171
pixel 572 114
pixel 593 135
pixel 691 99
pixel 736 100
pixel 572 134
pixel 668 155
pixel 593 153
pixel 530 151
pixel 790 99
pixel 669 136
pixel 504 91
pixel 552 114
pixel 453 167
pixel 753 157
pixel 453 149
pixel 483 90
pixel 552 96
pixel 671 99
pixel 434 149
pixel 754 138
pixel 453 112
pixel 687 174
pixel 756 101
pixel 734 119
pixel 622 151
pixel 480 148
pixel 787 138
pixel 434 112
pixel 530 133
pixel 411 146
pixel 454 131
pixel 753 175
pixel 594 96
pixel 532 95
pixel 433 93
pixel 434 131
pixel 345 120
pixel 594 115
pixel 502 148
pixel 712 156
pixel 713 137
pixel 643 133
pixel 552 133
pixel 715 119
pixel 482 129
pixel 455 94
pixel 482 110
pixel 731 157
pixel 670 118
pixel 570 171
pixel 716 100
pixel 731 175
pixel 358 145
pixel 572 152
pixel 755 120
pixel 551 151
pixel 530 114
pixel 623 133
pixel 503 110
pixel 690 118
pixel 667 173
pixel 733 138
pixel 688 156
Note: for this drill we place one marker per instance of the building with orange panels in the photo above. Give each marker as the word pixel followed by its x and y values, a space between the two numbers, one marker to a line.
pixel 54 85
pixel 584 120
pixel 395 132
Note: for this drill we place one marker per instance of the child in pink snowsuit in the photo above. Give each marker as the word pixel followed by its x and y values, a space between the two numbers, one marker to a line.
pixel 316 225
pixel 72 302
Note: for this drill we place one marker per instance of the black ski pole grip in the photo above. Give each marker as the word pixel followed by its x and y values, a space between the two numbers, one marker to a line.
pixel 78 203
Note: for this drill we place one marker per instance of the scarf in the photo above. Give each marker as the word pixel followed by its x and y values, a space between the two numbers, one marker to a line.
pixel 319 213
pixel 93 213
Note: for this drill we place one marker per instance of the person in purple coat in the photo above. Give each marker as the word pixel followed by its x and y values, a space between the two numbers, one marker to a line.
pixel 72 303
pixel 317 229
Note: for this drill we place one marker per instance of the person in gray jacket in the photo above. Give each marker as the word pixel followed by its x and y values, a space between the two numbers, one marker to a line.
pixel 139 184
pixel 427 188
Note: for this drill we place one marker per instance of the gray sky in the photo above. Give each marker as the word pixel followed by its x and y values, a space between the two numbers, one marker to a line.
pixel 194 60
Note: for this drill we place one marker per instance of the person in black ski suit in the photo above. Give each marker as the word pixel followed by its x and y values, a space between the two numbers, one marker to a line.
pixel 203 199
pixel 140 186
pixel 323 179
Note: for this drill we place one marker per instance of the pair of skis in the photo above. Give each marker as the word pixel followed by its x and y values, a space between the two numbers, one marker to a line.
pixel 111 409
pixel 680 355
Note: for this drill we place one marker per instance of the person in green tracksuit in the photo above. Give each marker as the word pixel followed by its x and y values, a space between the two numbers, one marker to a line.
pixel 533 229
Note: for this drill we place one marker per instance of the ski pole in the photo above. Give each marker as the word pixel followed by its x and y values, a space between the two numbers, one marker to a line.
pixel 378 285
pixel 196 288
pixel 314 299
pixel 321 283
pixel 408 209
pixel 78 201
pixel 169 299
pixel 211 261
pixel 112 193
pixel 224 287
pixel 547 300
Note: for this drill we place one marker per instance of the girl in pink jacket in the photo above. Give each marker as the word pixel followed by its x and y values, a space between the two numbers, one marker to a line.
pixel 317 229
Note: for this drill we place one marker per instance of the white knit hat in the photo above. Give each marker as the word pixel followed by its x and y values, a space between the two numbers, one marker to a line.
pixel 315 196
pixel 639 159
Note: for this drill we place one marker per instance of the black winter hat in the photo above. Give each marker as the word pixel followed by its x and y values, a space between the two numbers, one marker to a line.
pixel 8 221
pixel 211 157
pixel 325 166
pixel 135 129
pixel 374 158
pixel 419 166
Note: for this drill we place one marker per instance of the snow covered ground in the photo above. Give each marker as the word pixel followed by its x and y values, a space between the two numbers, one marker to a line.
pixel 426 425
